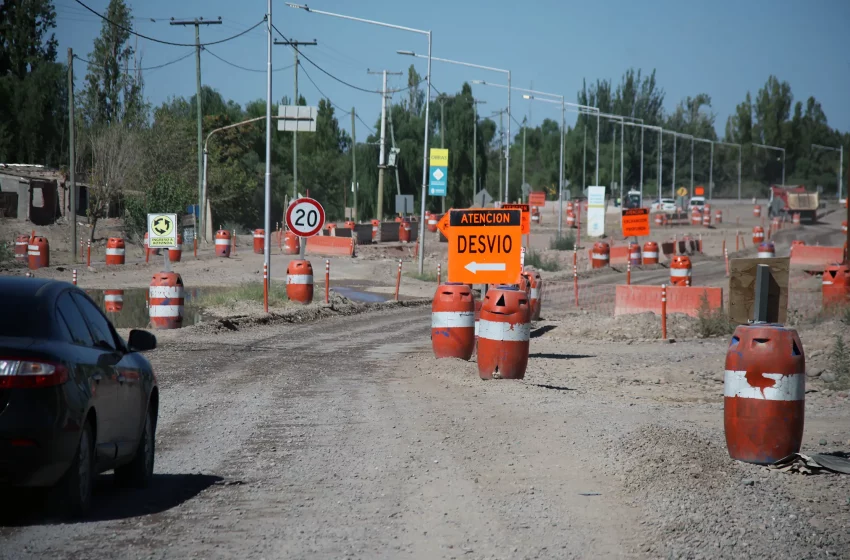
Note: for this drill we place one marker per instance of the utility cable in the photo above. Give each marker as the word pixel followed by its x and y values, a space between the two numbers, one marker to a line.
pixel 242 67
pixel 176 60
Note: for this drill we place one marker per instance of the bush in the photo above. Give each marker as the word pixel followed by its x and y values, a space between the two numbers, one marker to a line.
pixel 167 194
pixel 244 292
pixel 541 262
pixel 564 243
pixel 712 322
pixel 6 254
pixel 839 363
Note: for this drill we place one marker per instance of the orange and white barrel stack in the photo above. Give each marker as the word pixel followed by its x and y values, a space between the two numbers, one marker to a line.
pixel 503 334
pixel 259 241
pixel 453 321
pixel 795 218
pixel 650 252
pixel 706 216
pixel 757 211
pixel 116 251
pixel 432 223
pixel 718 216
pixel 758 235
pixel 21 248
pixel 680 271
pixel 38 253
pixel 166 298
pixel 404 231
pixel 113 301
pixel 766 250
pixel 659 218
pixel 696 217
pixel 635 257
pixel 571 219
pixel 764 393
pixel 600 254
pixel 299 281
pixel 376 226
pixel 222 243
pixel 535 215
pixel 175 254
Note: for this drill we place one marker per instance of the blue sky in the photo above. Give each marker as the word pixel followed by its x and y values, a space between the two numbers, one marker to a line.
pixel 723 48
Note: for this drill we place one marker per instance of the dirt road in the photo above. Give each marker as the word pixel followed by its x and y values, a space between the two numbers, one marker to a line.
pixel 344 438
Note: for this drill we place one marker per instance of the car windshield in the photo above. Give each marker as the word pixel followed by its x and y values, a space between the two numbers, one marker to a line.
pixel 19 319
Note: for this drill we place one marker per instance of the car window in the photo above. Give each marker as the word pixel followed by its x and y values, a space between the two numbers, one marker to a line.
pixel 69 313
pixel 98 324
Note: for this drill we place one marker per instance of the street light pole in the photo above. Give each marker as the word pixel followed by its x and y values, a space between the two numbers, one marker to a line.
pixel 840 151
pixel 777 148
pixel 427 111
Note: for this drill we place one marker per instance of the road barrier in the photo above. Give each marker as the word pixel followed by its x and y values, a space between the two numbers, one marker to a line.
pixel 680 271
pixel 21 247
pixel 38 252
pixel 331 229
pixel 650 253
pixel 718 217
pixel 166 299
pixel 696 217
pixel 222 243
pixel 503 334
pixel 706 217
pixel 835 285
pixel 571 219
pixel 115 251
pixel 290 243
pixel 600 254
pixel 432 223
pixel 175 254
pixel 757 211
pixel 330 246
pixel 635 258
pixel 376 227
pixel 633 299
pixel 766 250
pixel 299 281
pixel 453 321
pixel 259 241
pixel 404 232
pixel 813 258
pixel 764 393
pixel 113 301
pixel 758 235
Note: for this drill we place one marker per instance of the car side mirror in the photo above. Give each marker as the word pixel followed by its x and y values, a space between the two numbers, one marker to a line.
pixel 141 341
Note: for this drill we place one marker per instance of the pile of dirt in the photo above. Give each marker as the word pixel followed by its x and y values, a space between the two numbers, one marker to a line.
pixel 633 328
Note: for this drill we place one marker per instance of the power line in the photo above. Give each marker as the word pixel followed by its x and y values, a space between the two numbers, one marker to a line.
pixel 242 67
pixel 343 111
pixel 176 60
pixel 128 30
pixel 372 130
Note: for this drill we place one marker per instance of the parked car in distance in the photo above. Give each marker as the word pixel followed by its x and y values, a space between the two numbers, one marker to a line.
pixel 696 201
pixel 667 205
pixel 75 398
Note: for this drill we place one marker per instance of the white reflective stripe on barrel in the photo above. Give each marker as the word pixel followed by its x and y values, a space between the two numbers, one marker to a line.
pixel 508 332
pixel 166 310
pixel 170 292
pixel 650 254
pixel 222 242
pixel 680 272
pixel 109 297
pixel 535 293
pixel 259 236
pixel 452 319
pixel 827 282
pixel 601 257
pixel 299 278
pixel 763 255
pixel 634 255
pixel 115 251
pixel 21 243
pixel 784 388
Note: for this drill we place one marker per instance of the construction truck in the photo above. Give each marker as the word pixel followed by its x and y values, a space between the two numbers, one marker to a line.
pixel 786 200
pixel 632 200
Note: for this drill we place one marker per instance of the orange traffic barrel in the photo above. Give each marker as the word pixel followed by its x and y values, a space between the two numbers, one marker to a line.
pixel 570 206
pixel 503 334
pixel 404 231
pixel 634 254
pixel 600 254
pixel 349 224
pixel 844 226
pixel 259 241
pixel 766 250
pixel 174 255
pixel 680 271
pixel 659 219
pixel 398 219
pixel 571 219
pixel 115 251
pixel 795 218
pixel 835 286
pixel 376 225
pixel 21 247
pixel 696 217
pixel 535 215
pixel 222 243
pixel 290 244
pixel 764 393
pixel 775 224
pixel 331 229
pixel 758 235
pixel 432 223
pixel 165 297
pixel 650 252
pixel 299 281
pixel 453 321
pixel 38 253
pixel 706 217
pixel 113 301
pixel 718 216
pixel 756 211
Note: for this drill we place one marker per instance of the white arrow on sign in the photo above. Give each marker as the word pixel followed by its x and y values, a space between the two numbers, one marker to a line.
pixel 474 267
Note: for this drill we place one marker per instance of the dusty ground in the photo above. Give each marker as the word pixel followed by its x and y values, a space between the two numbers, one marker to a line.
pixel 336 434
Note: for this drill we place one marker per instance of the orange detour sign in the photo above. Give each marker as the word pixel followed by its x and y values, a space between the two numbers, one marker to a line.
pixel 536 198
pixel 635 222
pixel 699 191
pixel 525 219
pixel 484 245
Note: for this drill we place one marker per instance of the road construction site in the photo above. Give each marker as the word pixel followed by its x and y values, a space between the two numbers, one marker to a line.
pixel 331 430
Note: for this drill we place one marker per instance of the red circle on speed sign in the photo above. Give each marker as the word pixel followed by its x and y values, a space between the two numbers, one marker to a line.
pixel 305 217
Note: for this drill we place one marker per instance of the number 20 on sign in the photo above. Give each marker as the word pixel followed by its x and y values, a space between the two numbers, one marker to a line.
pixel 305 217
pixel 484 246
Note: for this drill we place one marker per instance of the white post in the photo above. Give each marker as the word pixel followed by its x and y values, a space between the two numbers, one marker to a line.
pixel 268 174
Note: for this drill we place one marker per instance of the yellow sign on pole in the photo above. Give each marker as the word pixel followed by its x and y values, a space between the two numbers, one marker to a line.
pixel 682 191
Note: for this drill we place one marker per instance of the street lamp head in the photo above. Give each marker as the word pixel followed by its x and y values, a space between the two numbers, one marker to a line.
pixel 407 53
pixel 526 96
pixel 479 82
pixel 298 6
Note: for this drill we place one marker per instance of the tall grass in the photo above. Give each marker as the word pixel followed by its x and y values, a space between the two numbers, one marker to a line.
pixel 712 322
pixel 243 292
pixel 563 243
pixel 541 262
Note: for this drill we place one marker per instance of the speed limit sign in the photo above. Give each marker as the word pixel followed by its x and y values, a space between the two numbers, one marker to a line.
pixel 305 217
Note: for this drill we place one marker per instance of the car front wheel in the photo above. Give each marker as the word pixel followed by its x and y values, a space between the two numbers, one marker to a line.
pixel 139 472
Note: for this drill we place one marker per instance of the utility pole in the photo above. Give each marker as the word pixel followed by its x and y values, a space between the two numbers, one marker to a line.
pixel 442 100
pixel 673 183
pixel 72 155
pixel 198 22
pixel 392 139
pixel 501 151
pixel 584 160
pixel 692 170
pixel 353 162
pixel 379 207
pixel 524 128
pixel 295 45
pixel 613 158
pixel 475 104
